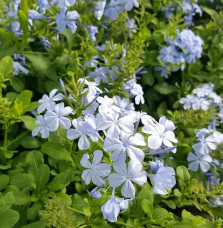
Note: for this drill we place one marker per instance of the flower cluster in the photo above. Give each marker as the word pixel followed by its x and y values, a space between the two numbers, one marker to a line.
pixel 67 18
pixel 207 139
pixel 186 48
pixel 202 98
pixel 115 123
pixel 189 7
pixel 190 10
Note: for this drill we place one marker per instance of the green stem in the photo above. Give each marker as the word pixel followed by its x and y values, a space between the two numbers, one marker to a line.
pixel 19 137
pixel 71 146
pixel 124 224
pixel 36 52
pixel 6 136
pixel 80 212
pixel 83 226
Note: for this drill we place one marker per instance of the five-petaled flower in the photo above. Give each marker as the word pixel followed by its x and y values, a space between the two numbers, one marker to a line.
pixel 95 170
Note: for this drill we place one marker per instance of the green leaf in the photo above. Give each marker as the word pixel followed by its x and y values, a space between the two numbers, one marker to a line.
pixel 7 201
pixel 32 106
pixel 170 203
pixel 164 88
pixel 159 213
pixel 21 198
pixel 17 84
pixel 29 142
pixel 23 180
pixel 148 79
pixel 4 180
pixel 34 159
pixel 187 215
pixel 29 122
pixel 209 11
pixel 6 65
pixel 56 151
pixel 183 176
pixel 23 20
pixel 42 66
pixel 32 212
pixel 61 180
pixel 39 224
pixel 24 6
pixel 25 97
pixel 8 218
pixel 42 176
pixel 147 207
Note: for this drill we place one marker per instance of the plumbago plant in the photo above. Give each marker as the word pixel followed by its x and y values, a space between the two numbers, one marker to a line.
pixel 81 144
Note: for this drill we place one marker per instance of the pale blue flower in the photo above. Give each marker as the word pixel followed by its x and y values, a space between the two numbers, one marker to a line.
pixel 93 62
pixel 204 91
pixel 113 10
pixel 169 54
pixel 191 43
pixel 132 26
pixel 199 160
pixel 123 104
pixel 43 127
pixel 91 108
pixel 126 176
pixel 101 74
pixel 90 127
pixel 58 117
pixel 63 4
pixel 48 102
pixel 163 150
pixel 115 124
pixel 46 43
pixel 19 57
pixel 15 27
pixel 107 105
pixel 95 194
pixel 164 71
pixel 205 145
pixel 158 135
pixel 18 67
pixel 187 101
pixel 164 178
pixel 190 10
pixel 137 93
pixel 43 5
pixel 155 165
pixel 83 142
pixel 35 15
pixel 125 144
pixel 111 209
pixel 99 9
pixel 95 170
pixel 129 4
pixel 92 30
pixel 67 19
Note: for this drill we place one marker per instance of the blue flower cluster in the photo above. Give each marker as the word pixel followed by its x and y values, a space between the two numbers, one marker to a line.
pixel 115 123
pixel 189 7
pixel 190 10
pixel 186 48
pixel 207 139
pixel 66 18
pixel 202 98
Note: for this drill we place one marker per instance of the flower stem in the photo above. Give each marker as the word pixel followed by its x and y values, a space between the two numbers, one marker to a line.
pixel 20 136
pixel 124 224
pixel 72 209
